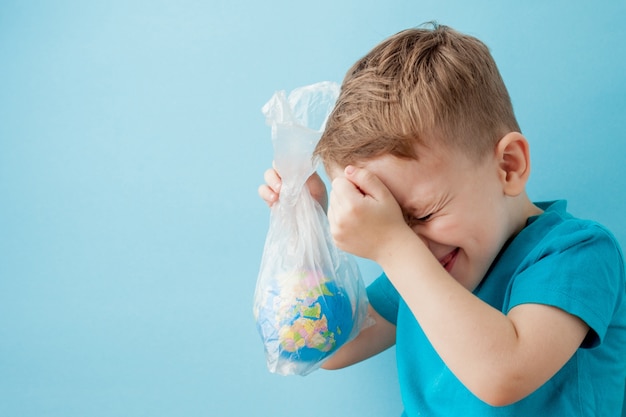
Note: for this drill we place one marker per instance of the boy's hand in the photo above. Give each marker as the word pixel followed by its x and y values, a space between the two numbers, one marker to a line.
pixel 363 214
pixel 270 191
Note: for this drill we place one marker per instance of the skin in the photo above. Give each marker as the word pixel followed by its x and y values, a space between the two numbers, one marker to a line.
pixel 435 230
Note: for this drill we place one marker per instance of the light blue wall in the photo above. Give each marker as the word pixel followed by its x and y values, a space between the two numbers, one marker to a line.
pixel 131 147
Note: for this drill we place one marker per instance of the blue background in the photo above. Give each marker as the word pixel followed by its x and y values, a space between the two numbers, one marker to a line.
pixel 131 147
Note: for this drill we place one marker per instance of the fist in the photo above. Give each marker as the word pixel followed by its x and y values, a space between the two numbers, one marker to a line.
pixel 363 214
pixel 270 190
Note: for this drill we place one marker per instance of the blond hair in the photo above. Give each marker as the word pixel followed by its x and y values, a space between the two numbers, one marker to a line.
pixel 420 87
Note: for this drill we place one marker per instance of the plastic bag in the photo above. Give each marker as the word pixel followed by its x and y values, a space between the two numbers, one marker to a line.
pixel 309 298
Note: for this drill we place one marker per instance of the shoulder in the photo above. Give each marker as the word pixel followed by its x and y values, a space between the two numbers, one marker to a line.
pixel 560 233
pixel 574 264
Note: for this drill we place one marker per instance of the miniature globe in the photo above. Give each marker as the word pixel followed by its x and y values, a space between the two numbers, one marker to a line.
pixel 305 316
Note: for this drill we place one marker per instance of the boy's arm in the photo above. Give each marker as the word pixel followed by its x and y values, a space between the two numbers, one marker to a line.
pixel 500 358
pixel 370 341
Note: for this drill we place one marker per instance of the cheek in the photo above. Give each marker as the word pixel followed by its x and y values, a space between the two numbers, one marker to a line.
pixel 474 236
pixel 443 231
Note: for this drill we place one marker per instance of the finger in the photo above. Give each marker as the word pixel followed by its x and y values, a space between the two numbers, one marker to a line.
pixel 345 202
pixel 268 195
pixel 343 191
pixel 273 180
pixel 346 209
pixel 366 182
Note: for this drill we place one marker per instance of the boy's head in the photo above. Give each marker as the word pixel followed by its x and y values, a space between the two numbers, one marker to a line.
pixel 421 88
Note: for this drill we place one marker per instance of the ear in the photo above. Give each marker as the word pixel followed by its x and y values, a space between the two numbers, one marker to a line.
pixel 513 156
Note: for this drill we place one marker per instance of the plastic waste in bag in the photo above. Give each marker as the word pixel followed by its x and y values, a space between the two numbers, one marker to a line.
pixel 310 298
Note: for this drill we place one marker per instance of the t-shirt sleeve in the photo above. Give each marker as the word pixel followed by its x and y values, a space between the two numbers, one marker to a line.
pixel 580 271
pixel 384 298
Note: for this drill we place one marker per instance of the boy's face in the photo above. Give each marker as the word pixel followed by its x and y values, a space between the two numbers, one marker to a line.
pixel 455 204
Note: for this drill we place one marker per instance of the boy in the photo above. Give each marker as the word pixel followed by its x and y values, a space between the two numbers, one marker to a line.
pixel 497 306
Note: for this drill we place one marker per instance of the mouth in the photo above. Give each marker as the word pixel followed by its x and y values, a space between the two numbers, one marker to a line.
pixel 448 261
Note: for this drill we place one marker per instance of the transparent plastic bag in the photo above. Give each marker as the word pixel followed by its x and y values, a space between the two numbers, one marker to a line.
pixel 310 298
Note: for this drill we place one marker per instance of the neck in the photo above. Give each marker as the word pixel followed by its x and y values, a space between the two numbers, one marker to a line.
pixel 522 209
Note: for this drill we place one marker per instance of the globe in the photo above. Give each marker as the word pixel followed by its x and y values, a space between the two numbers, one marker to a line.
pixel 305 317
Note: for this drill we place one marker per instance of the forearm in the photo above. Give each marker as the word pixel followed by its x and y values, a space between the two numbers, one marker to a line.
pixel 372 340
pixel 500 358
pixel 485 349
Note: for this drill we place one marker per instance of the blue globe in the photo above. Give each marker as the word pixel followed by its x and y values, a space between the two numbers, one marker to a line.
pixel 305 319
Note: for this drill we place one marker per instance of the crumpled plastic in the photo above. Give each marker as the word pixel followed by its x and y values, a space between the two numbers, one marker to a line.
pixel 310 298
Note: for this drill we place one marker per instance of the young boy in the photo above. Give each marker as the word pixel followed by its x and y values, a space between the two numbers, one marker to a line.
pixel 497 306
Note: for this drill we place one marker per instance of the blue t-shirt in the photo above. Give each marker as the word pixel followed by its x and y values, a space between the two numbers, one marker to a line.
pixel 558 260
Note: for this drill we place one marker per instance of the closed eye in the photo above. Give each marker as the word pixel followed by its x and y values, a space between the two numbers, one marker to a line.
pixel 425 218
pixel 412 221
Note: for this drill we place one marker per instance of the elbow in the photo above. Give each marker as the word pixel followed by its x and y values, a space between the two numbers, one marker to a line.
pixel 329 367
pixel 333 363
pixel 498 396
pixel 502 390
pixel 498 399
